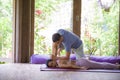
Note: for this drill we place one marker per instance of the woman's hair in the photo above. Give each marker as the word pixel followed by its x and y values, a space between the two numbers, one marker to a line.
pixel 49 60
pixel 56 37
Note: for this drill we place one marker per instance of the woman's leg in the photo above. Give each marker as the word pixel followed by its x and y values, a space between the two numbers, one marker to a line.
pixel 96 65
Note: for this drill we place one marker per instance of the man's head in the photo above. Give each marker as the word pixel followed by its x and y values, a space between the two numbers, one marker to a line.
pixel 56 37
pixel 51 63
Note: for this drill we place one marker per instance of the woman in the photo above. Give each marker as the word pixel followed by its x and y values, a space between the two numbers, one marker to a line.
pixel 81 63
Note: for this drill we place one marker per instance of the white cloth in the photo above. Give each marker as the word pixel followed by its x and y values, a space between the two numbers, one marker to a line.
pixel 95 65
pixel 79 52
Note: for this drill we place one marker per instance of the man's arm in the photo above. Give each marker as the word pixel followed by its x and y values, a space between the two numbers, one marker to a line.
pixel 54 51
pixel 58 51
pixel 65 57
pixel 60 48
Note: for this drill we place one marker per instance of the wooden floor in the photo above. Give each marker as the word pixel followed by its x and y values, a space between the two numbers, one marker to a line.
pixel 32 72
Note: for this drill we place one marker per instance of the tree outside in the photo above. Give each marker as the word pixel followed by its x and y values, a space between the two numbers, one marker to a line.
pixel 49 17
pixel 6 28
pixel 99 25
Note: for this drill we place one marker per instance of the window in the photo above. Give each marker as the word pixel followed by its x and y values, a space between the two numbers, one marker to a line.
pixel 46 21
pixel 100 27
pixel 6 30
pixel 50 15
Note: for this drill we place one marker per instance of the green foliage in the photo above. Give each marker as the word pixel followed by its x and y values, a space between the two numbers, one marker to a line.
pixel 2 62
pixel 103 27
pixel 104 31
pixel 43 9
pixel 5 26
pixel 46 7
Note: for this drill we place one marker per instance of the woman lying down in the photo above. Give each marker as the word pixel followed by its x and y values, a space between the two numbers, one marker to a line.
pixel 81 64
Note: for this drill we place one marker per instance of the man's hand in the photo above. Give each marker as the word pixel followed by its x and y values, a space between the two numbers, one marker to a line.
pixel 64 57
pixel 54 51
pixel 53 57
pixel 58 51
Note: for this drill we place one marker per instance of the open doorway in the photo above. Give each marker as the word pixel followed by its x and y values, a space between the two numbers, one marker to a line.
pixel 100 27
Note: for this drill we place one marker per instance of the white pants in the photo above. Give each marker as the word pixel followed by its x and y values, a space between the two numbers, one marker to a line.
pixel 79 52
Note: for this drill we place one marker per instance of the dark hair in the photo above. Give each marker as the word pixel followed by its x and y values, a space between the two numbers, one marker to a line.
pixel 49 60
pixel 56 37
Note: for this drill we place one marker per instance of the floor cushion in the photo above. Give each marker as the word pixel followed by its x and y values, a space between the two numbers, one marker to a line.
pixel 42 58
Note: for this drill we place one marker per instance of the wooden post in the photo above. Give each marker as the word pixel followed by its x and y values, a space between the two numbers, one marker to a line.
pixel 23 30
pixel 77 17
pixel 119 37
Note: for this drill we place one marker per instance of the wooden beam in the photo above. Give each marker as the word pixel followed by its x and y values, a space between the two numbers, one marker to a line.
pixel 17 30
pixel 119 36
pixel 32 5
pixel 23 30
pixel 77 17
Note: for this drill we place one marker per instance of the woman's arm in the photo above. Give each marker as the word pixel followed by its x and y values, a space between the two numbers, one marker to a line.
pixel 78 67
pixel 67 64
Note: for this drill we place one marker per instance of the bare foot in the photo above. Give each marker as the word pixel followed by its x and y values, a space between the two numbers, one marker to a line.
pixel 83 68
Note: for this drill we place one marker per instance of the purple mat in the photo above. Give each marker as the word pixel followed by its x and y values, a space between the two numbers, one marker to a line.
pixel 44 68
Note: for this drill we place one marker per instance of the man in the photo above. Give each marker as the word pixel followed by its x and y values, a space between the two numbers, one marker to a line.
pixel 70 41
